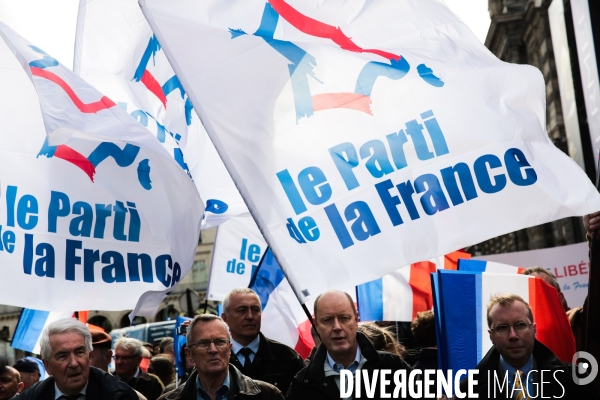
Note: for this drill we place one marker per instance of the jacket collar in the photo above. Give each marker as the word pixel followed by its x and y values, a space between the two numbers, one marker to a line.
pixel 264 353
pixel 239 383
pixel 316 370
pixel 542 355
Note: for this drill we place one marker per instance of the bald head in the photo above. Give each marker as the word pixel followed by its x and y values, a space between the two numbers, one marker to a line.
pixel 337 296
pixel 10 383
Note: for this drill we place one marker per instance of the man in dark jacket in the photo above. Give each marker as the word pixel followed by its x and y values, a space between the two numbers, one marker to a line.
pixel 342 348
pixel 252 353
pixel 66 345
pixel 209 346
pixel 518 362
pixel 128 356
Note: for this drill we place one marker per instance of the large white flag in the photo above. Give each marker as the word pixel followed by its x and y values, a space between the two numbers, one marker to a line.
pixel 94 211
pixel 367 135
pixel 116 52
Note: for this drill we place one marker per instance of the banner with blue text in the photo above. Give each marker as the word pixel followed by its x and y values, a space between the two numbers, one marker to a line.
pixel 239 247
pixel 93 210
pixel 365 136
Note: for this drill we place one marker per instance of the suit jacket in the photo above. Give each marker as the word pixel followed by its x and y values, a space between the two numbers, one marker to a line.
pixel 274 363
pixel 558 382
pixel 101 386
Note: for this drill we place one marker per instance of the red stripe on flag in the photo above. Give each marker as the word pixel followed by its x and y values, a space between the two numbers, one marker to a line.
pixel 553 328
pixel 90 108
pixel 152 84
pixel 451 259
pixel 352 101
pixel 68 154
pixel 420 283
pixel 305 341
pixel 316 28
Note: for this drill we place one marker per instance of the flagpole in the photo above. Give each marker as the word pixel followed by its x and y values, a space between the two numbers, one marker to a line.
pixel 592 336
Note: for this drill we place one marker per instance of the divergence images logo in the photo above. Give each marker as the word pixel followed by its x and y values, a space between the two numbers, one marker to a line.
pixel 584 372
pixel 302 63
pixel 123 157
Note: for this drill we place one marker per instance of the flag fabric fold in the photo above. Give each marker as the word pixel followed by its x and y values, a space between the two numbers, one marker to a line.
pixel 93 207
pixel 122 58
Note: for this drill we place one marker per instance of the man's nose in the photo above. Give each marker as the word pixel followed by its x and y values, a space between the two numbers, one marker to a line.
pixel 212 348
pixel 512 333
pixel 73 360
pixel 336 324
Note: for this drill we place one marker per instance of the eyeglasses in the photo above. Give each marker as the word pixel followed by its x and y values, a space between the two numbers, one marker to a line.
pixel 124 358
pixel 504 329
pixel 205 344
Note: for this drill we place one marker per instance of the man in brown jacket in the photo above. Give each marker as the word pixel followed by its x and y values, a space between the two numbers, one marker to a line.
pixel 209 346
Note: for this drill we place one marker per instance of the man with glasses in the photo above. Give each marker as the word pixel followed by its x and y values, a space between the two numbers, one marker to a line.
pixel 517 361
pixel 128 355
pixel 208 344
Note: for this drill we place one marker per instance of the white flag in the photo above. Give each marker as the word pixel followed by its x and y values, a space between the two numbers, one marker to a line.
pixel 117 53
pixel 94 211
pixel 367 135
pixel 239 247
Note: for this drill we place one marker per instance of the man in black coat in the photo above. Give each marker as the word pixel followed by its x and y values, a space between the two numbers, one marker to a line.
pixel 255 355
pixel 66 345
pixel 342 348
pixel 209 346
pixel 518 362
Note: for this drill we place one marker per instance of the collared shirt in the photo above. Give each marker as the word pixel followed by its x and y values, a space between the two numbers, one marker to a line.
pixel 531 391
pixel 253 345
pixel 58 393
pixel 221 394
pixel 331 368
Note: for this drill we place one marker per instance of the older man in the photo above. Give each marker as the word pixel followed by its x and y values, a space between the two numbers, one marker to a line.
pixel 518 362
pixel 10 383
pixel 128 355
pixel 66 345
pixel 252 353
pixel 29 370
pixel 342 348
pixel 215 379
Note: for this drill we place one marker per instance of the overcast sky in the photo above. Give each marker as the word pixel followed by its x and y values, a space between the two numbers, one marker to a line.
pixel 50 24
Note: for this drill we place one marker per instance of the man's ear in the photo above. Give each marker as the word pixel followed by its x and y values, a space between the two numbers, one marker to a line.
pixel 20 387
pixel 109 355
pixel 224 317
pixel 46 366
pixel 534 329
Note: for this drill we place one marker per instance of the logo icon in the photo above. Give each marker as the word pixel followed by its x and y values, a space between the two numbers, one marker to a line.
pixel 301 63
pixel 123 157
pixel 585 371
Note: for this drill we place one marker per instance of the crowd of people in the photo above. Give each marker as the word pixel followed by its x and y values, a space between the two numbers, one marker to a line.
pixel 228 357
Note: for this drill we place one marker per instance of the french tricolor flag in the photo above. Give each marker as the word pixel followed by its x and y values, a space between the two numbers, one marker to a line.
pixel 461 299
pixel 488 266
pixel 399 296
pixel 30 326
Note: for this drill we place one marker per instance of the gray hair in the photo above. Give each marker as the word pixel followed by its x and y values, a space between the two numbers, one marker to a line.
pixel 240 290
pixel 202 318
pixel 62 326
pixel 128 343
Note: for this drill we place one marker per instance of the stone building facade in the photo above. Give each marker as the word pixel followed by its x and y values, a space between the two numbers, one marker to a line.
pixel 520 33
